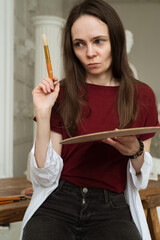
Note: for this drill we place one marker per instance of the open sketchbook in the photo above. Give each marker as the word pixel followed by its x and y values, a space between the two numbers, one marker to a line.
pixel 110 134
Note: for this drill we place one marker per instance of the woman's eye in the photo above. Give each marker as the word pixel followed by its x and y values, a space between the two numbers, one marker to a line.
pixel 99 41
pixel 78 44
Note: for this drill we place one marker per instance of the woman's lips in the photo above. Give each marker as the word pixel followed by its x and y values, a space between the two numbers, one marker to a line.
pixel 93 65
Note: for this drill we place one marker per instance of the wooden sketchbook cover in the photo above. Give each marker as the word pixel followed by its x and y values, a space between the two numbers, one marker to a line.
pixel 110 134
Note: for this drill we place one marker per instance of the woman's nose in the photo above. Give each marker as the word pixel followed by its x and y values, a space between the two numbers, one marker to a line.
pixel 91 52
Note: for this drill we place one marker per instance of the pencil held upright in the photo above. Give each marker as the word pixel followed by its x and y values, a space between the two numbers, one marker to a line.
pixel 47 56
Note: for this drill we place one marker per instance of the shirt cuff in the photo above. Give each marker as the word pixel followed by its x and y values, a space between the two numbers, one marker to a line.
pixel 141 180
pixel 48 174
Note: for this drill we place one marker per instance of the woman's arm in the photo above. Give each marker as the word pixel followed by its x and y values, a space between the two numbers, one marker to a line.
pixel 56 138
pixel 129 146
pixel 138 162
pixel 53 165
pixel 44 97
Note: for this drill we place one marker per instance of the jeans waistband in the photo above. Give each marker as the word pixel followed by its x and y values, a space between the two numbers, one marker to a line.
pixel 93 192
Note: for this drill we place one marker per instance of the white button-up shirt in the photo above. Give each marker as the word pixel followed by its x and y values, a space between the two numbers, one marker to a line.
pixel 45 180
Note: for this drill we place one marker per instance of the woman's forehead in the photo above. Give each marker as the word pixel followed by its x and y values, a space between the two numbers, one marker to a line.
pixel 88 26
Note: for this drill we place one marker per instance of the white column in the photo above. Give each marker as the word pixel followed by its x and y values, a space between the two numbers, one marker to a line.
pixel 52 27
pixel 6 87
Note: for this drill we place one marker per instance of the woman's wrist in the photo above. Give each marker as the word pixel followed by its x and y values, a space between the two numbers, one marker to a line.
pixel 43 113
pixel 140 151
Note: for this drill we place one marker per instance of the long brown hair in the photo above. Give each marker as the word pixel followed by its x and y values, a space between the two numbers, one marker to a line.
pixel 74 83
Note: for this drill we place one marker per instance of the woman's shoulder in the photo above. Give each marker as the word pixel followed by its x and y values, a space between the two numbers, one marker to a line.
pixel 144 90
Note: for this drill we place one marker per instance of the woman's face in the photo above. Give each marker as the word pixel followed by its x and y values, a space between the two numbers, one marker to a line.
pixel 91 44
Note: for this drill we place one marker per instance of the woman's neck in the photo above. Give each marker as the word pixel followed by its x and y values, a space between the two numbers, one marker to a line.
pixel 103 80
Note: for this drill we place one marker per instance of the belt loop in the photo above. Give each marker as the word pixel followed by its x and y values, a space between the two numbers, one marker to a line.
pixel 106 196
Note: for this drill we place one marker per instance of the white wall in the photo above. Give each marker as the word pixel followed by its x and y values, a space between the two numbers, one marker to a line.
pixel 143 20
pixel 23 85
pixel 6 87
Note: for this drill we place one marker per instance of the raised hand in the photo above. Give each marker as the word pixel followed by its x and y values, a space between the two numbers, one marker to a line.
pixel 45 94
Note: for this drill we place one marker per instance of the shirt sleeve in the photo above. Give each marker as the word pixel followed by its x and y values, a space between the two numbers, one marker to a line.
pixel 52 169
pixel 140 181
pixel 147 110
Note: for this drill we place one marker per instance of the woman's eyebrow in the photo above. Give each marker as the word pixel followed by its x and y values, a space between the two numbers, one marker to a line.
pixel 99 36
pixel 77 39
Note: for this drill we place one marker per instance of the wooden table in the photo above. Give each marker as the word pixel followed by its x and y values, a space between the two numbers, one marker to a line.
pixel 13 212
pixel 151 200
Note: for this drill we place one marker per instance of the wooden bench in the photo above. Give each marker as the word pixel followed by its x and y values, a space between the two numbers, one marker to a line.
pixel 151 200
pixel 14 212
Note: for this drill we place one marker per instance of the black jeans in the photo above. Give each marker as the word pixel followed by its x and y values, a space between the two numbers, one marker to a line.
pixel 77 213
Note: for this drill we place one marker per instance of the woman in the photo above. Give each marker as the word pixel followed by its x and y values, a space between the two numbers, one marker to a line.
pixel 82 191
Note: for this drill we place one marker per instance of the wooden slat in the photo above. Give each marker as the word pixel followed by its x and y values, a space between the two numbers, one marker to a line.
pixel 13 212
pixel 153 223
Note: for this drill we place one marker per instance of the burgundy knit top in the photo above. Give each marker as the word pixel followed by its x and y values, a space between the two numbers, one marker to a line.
pixel 96 164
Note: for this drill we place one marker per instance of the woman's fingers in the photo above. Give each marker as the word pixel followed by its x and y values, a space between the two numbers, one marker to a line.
pixel 125 145
pixel 46 86
pixel 48 83
pixel 57 87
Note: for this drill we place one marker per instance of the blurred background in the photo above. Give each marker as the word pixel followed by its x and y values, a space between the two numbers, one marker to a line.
pixel 22 66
